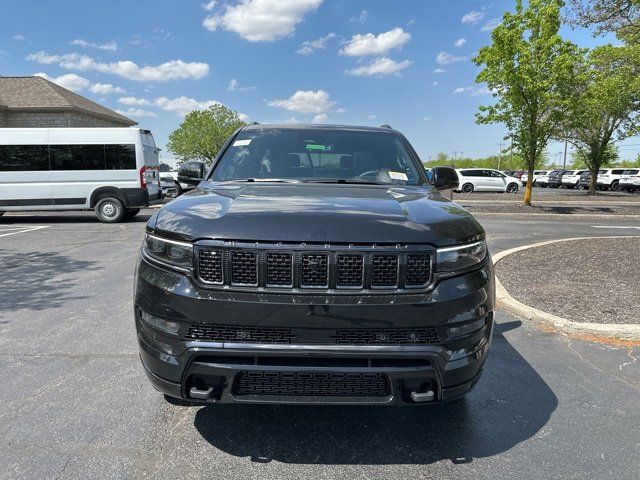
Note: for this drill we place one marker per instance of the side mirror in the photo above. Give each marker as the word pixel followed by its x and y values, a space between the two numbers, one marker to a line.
pixel 444 178
pixel 192 173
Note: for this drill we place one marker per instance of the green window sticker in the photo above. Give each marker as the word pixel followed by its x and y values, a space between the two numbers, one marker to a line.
pixel 323 148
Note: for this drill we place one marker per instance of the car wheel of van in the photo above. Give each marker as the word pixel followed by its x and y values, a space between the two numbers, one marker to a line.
pixel 614 186
pixel 109 210
pixel 131 212
pixel 467 188
pixel 512 188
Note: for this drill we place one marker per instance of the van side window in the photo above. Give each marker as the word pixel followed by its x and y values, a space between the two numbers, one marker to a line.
pixel 23 158
pixel 120 157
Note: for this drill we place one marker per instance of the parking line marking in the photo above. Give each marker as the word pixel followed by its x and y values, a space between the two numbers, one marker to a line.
pixel 24 230
pixel 626 227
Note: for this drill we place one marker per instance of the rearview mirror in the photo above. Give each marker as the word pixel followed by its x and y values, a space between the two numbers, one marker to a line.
pixel 444 178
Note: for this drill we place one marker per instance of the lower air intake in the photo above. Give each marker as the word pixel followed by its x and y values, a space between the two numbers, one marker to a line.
pixel 311 384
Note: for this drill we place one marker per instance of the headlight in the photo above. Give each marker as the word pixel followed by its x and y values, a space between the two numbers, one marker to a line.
pixel 169 251
pixel 452 259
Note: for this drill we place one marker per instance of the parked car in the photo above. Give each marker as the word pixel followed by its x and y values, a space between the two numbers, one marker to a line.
pixel 536 175
pixel 543 180
pixel 486 180
pixel 113 171
pixel 188 171
pixel 630 180
pixel 334 273
pixel 609 178
pixel 168 185
pixel 555 178
pixel 570 178
pixel 167 171
pixel 513 173
pixel 585 180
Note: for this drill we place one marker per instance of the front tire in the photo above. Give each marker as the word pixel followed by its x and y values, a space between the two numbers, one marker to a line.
pixel 179 190
pixel 109 210
pixel 512 188
pixel 615 186
pixel 467 188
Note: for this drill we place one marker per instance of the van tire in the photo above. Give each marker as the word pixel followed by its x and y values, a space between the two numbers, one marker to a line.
pixel 512 188
pixel 467 188
pixel 109 210
pixel 131 212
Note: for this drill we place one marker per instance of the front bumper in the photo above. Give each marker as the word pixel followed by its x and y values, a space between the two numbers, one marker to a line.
pixel 449 367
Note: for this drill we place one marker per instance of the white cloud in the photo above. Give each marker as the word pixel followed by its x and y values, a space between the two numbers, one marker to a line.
pixel 179 105
pixel 70 81
pixel 244 117
pixel 305 101
pixel 370 44
pixel 371 117
pixel 473 91
pixel 209 6
pixel 234 86
pixel 310 46
pixel 427 119
pixel 472 17
pixel 435 84
pixel 320 118
pixel 292 120
pixel 105 88
pixel 382 66
pixel 19 37
pixel 361 19
pixel 261 20
pixel 439 70
pixel 490 25
pixel 444 58
pixel 136 112
pixel 134 101
pixel 108 46
pixel 171 70
pixel 460 42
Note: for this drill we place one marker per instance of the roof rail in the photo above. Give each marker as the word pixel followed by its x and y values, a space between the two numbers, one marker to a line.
pixel 386 126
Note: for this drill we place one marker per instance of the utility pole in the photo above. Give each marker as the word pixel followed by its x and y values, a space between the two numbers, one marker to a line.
pixel 564 164
pixel 499 155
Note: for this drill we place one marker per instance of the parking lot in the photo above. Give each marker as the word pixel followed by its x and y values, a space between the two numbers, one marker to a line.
pixel 74 401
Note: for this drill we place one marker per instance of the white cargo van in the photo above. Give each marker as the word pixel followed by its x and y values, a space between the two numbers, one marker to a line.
pixel 111 170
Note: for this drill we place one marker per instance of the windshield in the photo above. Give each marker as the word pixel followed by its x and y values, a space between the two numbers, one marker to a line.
pixel 317 155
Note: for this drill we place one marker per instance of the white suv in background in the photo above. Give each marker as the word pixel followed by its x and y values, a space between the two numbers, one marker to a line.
pixel 571 178
pixel 486 180
pixel 536 175
pixel 609 178
pixel 630 180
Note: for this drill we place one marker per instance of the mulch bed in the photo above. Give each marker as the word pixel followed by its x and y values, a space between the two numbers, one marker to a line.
pixel 594 280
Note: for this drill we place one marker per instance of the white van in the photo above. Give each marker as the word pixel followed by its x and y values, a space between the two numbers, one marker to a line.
pixel 485 180
pixel 111 170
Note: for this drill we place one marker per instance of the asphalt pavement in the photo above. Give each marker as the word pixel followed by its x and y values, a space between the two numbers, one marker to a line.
pixel 74 401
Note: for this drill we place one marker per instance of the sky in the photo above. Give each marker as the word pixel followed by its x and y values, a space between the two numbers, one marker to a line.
pixel 405 63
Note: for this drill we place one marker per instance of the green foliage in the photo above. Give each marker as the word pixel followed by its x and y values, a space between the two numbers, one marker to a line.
pixel 580 158
pixel 530 69
pixel 203 132
pixel 621 17
pixel 516 162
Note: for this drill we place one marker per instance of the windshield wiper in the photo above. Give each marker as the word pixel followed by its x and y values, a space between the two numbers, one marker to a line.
pixel 348 181
pixel 264 180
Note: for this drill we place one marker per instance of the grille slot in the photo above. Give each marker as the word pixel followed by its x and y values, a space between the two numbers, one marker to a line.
pixel 350 270
pixel 311 384
pixel 210 266
pixel 386 336
pixel 418 269
pixel 315 270
pixel 384 271
pixel 239 334
pixel 244 268
pixel 279 270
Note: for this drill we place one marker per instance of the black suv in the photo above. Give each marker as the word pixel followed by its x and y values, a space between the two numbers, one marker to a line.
pixel 555 178
pixel 315 264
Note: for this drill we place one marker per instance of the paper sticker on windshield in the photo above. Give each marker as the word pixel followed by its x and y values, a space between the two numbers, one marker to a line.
pixel 322 148
pixel 398 176
pixel 242 143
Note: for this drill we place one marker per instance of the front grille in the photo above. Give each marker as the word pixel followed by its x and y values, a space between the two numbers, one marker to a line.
pixel 350 270
pixel 210 266
pixel 315 270
pixel 386 336
pixel 311 384
pixel 239 334
pixel 244 268
pixel 385 271
pixel 418 270
pixel 280 269
pixel 339 269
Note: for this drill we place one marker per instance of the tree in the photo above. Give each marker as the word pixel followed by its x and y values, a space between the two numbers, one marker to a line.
pixel 607 104
pixel 203 132
pixel 621 17
pixel 580 158
pixel 530 69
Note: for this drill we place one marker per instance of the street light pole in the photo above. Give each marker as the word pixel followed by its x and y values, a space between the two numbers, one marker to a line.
pixel 564 164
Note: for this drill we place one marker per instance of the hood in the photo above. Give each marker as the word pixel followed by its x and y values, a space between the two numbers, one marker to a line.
pixel 316 213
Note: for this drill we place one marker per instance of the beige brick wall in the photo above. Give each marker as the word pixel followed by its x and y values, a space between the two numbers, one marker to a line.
pixel 54 119
pixel 3 118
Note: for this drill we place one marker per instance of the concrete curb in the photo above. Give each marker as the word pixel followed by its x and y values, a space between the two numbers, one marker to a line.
pixel 510 304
